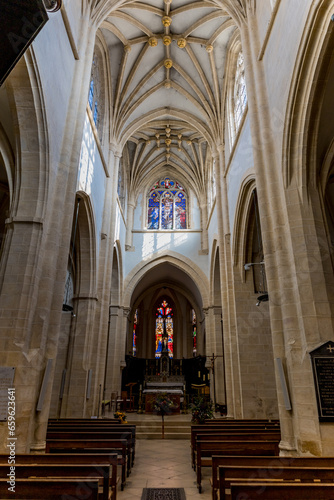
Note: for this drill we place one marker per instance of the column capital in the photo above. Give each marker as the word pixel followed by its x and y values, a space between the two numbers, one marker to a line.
pixel 115 149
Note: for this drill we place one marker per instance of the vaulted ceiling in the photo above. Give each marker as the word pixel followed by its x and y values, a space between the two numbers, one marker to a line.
pixel 167 61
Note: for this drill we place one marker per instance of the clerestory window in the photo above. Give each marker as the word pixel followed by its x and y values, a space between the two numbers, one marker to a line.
pixel 240 94
pixel 167 205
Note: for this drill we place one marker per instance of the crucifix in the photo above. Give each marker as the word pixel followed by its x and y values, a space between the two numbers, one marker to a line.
pixel 330 348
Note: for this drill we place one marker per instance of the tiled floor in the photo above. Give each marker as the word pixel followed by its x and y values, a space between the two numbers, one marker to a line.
pixel 164 463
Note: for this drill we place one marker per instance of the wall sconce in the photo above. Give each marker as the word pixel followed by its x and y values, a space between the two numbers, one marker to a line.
pixel 262 298
pixel 250 264
pixel 52 5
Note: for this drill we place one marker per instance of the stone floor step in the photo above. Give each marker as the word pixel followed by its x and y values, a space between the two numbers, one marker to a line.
pixel 158 435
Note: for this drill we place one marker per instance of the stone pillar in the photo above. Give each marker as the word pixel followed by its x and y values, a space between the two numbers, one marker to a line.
pixel 232 372
pixel 112 382
pixel 129 224
pixel 289 309
pixel 204 223
pixel 214 346
pixel 35 255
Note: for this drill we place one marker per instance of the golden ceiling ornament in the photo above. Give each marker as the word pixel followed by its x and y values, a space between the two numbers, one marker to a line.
pixel 181 43
pixel 167 40
pixel 157 136
pixel 179 136
pixel 153 41
pixel 168 2
pixel 127 48
pixel 168 141
pixel 167 84
pixel 167 157
pixel 209 48
pixel 189 143
pixel 168 63
pixel 168 131
pixel 166 21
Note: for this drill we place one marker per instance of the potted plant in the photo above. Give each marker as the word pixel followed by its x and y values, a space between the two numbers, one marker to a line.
pixel 163 405
pixel 201 410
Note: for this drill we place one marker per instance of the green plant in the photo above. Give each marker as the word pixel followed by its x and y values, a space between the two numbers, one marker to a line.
pixel 163 404
pixel 201 410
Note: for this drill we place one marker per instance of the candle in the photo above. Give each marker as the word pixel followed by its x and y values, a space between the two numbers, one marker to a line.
pixel 140 387
pixel 199 374
pixel 208 376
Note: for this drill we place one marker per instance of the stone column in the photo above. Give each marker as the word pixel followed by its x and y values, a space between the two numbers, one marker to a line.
pixel 232 372
pixel 289 315
pixel 214 346
pixel 204 222
pixel 129 224
pixel 35 256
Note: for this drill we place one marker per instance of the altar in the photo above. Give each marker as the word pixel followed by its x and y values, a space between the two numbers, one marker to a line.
pixel 163 382
pixel 172 386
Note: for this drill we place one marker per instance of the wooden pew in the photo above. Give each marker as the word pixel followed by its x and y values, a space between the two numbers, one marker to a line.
pixel 86 425
pixel 206 449
pixel 270 462
pixel 51 489
pixel 95 460
pixel 282 491
pixel 107 435
pixel 83 472
pixel 92 446
pixel 97 429
pixel 247 434
pixel 230 474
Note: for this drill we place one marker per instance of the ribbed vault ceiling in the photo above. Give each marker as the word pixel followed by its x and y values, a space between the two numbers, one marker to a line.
pixel 167 61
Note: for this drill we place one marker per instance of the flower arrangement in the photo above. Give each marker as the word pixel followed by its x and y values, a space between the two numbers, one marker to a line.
pixel 163 404
pixel 201 410
pixel 121 416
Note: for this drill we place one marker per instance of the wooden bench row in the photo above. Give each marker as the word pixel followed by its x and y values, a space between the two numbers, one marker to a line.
pixel 213 432
pixel 84 435
pixel 79 472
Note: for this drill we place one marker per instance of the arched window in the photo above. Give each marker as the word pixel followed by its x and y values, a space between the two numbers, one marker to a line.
pixel 164 314
pixel 95 97
pixel 167 206
pixel 240 94
pixel 134 333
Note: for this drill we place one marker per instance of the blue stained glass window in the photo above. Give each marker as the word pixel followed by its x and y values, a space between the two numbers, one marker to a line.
pixel 180 212
pixel 164 313
pixel 167 208
pixel 95 115
pixel 91 94
pixel 153 211
pixel 167 211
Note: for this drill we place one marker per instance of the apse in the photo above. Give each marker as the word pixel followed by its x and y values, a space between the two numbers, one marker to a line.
pixel 166 286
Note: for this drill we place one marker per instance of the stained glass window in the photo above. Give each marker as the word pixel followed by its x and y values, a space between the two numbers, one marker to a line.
pixel 91 94
pixel 167 205
pixel 164 314
pixel 96 93
pixel 134 333
pixel 194 329
pixel 240 94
